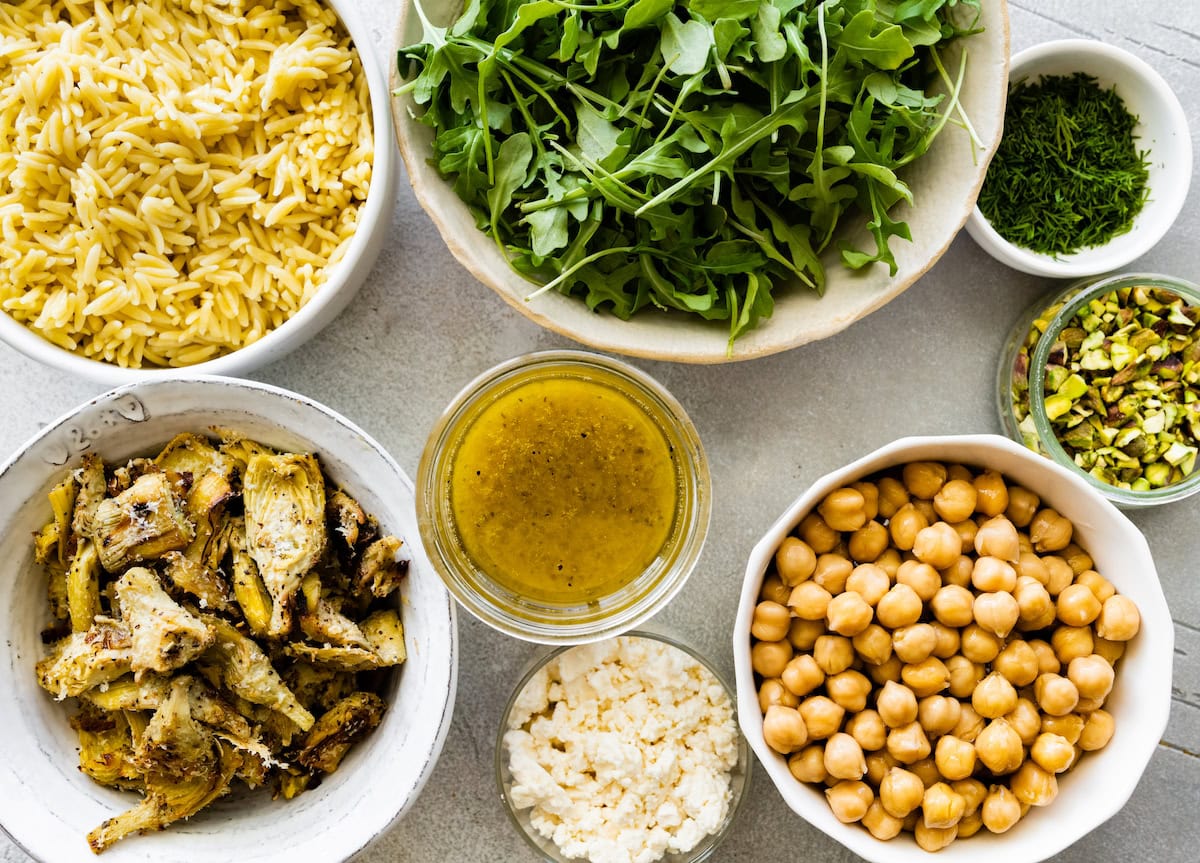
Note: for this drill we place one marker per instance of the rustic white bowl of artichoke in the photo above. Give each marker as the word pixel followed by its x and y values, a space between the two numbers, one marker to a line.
pixel 221 631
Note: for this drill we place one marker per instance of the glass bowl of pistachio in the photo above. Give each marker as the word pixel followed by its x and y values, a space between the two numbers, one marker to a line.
pixel 1104 378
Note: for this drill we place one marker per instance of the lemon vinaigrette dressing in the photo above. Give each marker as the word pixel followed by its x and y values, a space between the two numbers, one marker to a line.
pixel 563 490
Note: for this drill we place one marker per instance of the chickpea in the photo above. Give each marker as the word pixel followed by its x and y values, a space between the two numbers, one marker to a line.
pixel 784 729
pixel 948 640
pixel 938 714
pixel 955 501
pixel 994 696
pixel 921 577
pixel 999 748
pixel 868 729
pixel 964 676
pixel 892 496
pixel 934 838
pixel 942 806
pixel 996 612
pixel 953 605
pixel 868 542
pixel 774 590
pixel 979 645
pixel 926 770
pixel 1069 727
pixel 1110 651
pixel 809 601
pixel 773 691
pixel 1017 662
pixel 905 525
pixel 991 574
pixel 869 581
pixel 924 479
pixel 1119 619
pixel 991 494
pixel 1035 607
pixel 959 572
pixel 849 689
pixel 969 724
pixel 967 531
pixel 1052 752
pixel 955 758
pixel 1097 731
pixel 880 824
pixel 769 658
pixel 1026 721
pixel 808 765
pixel 801 675
pixel 925 508
pixel 970 824
pixel 1092 676
pixel 908 743
pixel 878 765
pixel 849 800
pixel 844 509
pixel 831 572
pixel 899 607
pixel 889 561
pixel 1077 605
pixel 1055 695
pixel 1031 566
pixel 1061 574
pixel 1000 810
pixel 887 670
pixel 1100 586
pixel 997 537
pixel 803 634
pixel 1022 506
pixel 938 545
pixel 873 644
pixel 1050 531
pixel 972 791
pixel 848 614
pixel 896 704
pixel 901 792
pixel 1072 641
pixel 795 560
pixel 819 536
pixel 870 493
pixel 1033 785
pixel 822 717
pixel 1046 658
pixel 1080 561
pixel 1088 705
pixel 844 757
pixel 833 653
pixel 770 621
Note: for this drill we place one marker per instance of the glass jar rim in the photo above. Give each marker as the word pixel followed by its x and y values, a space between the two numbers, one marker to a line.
pixel 1088 290
pixel 683 547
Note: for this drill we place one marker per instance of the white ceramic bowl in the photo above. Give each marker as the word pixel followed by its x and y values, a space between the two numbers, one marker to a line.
pixel 1099 785
pixel 343 280
pixel 49 805
pixel 944 183
pixel 1162 129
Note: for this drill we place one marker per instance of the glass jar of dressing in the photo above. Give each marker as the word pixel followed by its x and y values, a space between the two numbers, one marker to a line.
pixel 563 496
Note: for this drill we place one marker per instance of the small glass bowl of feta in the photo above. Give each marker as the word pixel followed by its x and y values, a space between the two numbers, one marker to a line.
pixel 625 750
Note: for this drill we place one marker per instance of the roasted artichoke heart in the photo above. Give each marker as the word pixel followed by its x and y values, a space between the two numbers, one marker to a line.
pixel 284 497
pixel 173 587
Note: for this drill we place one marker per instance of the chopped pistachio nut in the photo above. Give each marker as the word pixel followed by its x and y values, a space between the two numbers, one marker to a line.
pixel 1122 387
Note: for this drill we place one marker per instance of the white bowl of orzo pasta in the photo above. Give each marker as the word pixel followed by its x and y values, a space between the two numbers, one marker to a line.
pixel 200 185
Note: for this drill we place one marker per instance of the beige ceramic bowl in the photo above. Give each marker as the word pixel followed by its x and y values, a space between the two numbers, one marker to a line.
pixel 1098 786
pixel 945 183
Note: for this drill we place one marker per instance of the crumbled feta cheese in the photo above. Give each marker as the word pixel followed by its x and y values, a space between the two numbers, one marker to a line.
pixel 622 750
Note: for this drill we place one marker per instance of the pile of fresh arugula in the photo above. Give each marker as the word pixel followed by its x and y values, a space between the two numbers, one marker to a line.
pixel 686 154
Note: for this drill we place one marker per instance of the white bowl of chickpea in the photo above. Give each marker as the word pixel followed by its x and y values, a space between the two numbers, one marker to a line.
pixel 953 645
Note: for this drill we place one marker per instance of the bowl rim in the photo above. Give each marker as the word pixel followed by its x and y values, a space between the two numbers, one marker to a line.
pixel 694 507
pixel 1094 260
pixel 343 280
pixel 897 452
pixel 203 382
pixel 424 179
pixel 654 633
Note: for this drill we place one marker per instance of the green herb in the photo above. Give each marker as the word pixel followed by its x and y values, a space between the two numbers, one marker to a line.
pixel 685 155
pixel 1068 173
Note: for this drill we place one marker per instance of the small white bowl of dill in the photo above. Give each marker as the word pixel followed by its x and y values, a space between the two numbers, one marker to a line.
pixel 1094 165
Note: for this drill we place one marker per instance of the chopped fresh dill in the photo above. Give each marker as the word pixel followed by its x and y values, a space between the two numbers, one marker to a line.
pixel 1068 173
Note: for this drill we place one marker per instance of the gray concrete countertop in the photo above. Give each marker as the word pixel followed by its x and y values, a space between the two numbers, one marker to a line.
pixel 925 364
